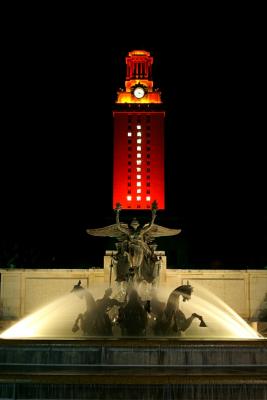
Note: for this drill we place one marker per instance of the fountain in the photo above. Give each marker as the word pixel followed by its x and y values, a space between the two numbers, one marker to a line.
pixel 57 319
pixel 50 354
pixel 134 339
pixel 138 305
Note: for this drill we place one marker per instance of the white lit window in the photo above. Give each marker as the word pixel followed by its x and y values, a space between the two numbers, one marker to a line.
pixel 138 184
pixel 129 133
pixel 138 162
pixel 147 198
pixel 138 190
pixel 139 133
pixel 129 198
pixel 138 198
pixel 138 176
pixel 139 148
pixel 138 155
pixel 138 169
pixel 138 126
pixel 139 141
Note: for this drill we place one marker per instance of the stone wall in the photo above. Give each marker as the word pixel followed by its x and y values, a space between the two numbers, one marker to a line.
pixel 25 290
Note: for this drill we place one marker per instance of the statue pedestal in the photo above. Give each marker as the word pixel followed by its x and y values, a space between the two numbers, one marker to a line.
pixel 110 267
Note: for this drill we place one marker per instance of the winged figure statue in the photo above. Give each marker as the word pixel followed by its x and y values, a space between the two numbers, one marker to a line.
pixel 136 253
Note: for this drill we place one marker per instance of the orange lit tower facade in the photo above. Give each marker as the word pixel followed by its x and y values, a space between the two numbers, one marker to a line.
pixel 138 170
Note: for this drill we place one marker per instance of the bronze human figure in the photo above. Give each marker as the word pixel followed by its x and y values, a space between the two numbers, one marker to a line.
pixel 95 321
pixel 136 258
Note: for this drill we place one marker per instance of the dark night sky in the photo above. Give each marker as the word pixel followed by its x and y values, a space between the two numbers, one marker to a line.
pixel 56 152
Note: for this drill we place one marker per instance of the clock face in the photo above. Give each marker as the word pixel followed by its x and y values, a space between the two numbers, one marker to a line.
pixel 139 92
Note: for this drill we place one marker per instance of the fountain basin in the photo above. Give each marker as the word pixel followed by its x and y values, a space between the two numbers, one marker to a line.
pixel 141 368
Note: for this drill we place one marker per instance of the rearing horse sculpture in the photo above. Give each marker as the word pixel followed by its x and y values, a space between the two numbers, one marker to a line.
pixel 171 320
pixel 136 254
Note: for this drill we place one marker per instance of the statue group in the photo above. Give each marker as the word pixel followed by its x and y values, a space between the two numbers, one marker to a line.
pixel 133 316
pixel 136 262
pixel 136 259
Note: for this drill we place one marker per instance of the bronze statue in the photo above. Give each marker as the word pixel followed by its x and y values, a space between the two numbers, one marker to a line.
pixel 133 316
pixel 171 320
pixel 95 321
pixel 135 258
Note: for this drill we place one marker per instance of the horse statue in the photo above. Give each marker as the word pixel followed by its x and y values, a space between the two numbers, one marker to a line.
pixel 136 259
pixel 169 319
pixel 135 316
pixel 95 321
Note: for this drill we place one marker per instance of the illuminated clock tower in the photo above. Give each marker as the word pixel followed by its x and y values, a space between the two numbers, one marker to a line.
pixel 138 169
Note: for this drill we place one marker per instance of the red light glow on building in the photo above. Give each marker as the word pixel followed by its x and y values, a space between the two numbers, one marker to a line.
pixel 138 169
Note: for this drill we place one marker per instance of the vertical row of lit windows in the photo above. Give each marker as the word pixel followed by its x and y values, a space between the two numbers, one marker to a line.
pixel 129 134
pixel 138 163
pixel 132 143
